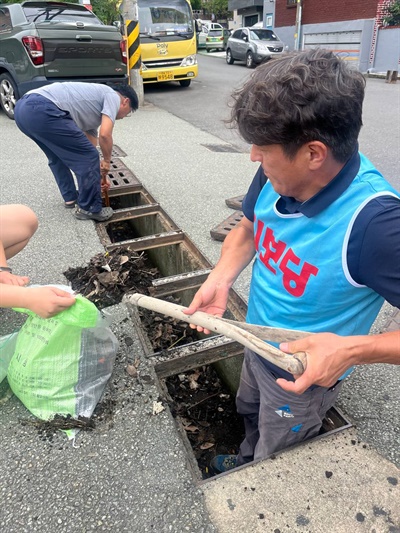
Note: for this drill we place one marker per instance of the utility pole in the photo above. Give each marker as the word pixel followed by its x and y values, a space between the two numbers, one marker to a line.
pixel 130 15
pixel 297 35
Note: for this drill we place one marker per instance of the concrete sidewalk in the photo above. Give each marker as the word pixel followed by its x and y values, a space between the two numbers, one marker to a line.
pixel 131 473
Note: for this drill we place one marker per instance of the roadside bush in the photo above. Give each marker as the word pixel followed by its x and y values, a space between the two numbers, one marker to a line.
pixel 393 16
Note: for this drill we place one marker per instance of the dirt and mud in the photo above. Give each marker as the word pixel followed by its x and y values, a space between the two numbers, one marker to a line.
pixel 198 398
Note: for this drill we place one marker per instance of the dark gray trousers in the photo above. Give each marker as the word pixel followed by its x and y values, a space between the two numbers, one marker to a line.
pixel 275 419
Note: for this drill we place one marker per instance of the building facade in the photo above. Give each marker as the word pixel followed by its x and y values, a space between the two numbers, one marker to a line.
pixel 352 29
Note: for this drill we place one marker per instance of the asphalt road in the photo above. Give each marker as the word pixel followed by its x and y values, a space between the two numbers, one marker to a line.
pixel 205 104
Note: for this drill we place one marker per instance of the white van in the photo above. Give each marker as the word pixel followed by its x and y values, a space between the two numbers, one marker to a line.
pixel 213 25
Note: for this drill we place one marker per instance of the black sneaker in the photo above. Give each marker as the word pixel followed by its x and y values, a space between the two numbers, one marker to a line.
pixel 223 463
pixel 101 216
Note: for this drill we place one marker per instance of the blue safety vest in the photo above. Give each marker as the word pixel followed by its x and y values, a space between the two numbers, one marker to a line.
pixel 300 275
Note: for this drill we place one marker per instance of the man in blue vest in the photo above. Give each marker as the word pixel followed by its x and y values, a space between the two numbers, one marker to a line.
pixel 323 226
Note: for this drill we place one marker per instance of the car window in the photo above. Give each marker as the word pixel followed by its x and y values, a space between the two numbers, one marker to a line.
pixel 215 33
pixel 263 35
pixel 237 34
pixel 59 13
pixel 5 20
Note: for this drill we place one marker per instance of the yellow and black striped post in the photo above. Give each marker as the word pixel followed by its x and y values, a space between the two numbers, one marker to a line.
pixel 133 42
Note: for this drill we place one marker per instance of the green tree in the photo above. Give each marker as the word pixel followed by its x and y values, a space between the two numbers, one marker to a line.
pixel 106 10
pixel 393 16
pixel 217 7
pixel 196 4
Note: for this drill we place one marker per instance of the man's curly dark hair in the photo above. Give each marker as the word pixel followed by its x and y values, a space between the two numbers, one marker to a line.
pixel 301 97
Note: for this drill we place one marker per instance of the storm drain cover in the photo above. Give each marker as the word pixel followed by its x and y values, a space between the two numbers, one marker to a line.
pixel 116 151
pixel 221 148
pixel 221 231
pixel 123 178
pixel 235 202
pixel 117 164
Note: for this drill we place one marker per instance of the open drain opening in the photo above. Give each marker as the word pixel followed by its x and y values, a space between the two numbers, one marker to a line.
pixel 204 410
pixel 182 357
pixel 166 332
pixel 136 226
pixel 206 413
pixel 129 199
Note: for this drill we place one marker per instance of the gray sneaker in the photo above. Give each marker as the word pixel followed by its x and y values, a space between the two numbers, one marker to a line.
pixel 101 216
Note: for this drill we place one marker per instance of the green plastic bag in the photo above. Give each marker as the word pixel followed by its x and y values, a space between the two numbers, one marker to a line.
pixel 61 365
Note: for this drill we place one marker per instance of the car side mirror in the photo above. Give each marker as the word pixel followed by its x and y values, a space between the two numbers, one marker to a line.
pixel 245 39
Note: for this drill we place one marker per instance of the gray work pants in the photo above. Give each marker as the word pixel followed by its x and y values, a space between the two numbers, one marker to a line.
pixel 275 419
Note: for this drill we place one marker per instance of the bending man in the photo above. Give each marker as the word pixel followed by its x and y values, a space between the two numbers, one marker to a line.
pixel 63 119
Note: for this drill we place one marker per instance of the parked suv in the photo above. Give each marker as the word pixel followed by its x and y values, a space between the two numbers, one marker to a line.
pixel 43 42
pixel 253 45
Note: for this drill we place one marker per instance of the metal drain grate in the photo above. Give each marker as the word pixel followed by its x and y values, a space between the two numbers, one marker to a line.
pixel 221 148
pixel 123 178
pixel 116 151
pixel 221 231
pixel 235 202
pixel 117 164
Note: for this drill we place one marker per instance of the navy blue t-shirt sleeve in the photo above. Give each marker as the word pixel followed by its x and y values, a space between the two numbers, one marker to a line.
pixel 373 253
pixel 249 201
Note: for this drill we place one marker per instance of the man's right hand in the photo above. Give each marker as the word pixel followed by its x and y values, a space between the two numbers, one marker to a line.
pixel 104 168
pixel 211 298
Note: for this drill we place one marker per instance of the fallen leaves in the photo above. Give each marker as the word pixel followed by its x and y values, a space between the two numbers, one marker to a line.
pixel 110 275
pixel 158 408
pixel 206 412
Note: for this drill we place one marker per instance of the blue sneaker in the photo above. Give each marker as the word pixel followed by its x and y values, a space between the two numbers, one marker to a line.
pixel 223 463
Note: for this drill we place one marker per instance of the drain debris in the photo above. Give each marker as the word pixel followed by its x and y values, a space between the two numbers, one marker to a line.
pixel 110 275
pixel 207 412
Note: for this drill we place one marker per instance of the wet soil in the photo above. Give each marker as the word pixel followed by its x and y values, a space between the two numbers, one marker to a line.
pixel 111 275
pixel 207 412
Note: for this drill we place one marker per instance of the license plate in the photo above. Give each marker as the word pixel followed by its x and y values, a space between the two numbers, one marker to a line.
pixel 165 76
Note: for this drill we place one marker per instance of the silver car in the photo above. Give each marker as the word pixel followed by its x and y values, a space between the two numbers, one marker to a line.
pixel 253 45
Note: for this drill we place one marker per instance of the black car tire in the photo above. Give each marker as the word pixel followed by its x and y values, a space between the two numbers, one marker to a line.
pixel 250 63
pixel 8 95
pixel 185 83
pixel 229 58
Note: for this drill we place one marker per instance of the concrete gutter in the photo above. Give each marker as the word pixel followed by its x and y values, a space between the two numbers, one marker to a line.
pixel 336 484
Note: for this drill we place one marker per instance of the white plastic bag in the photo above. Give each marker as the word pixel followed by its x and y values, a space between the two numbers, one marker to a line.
pixel 7 348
